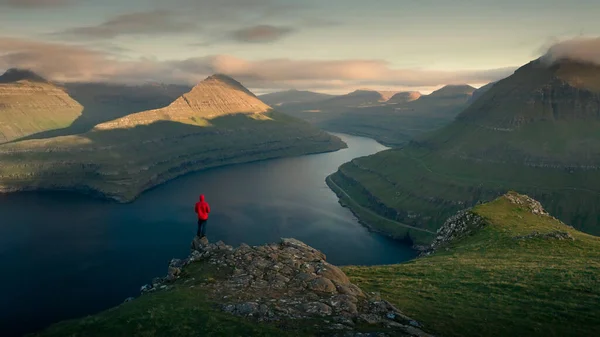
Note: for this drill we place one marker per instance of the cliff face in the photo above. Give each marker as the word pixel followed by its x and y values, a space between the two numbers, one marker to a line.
pixel 286 285
pixel 29 105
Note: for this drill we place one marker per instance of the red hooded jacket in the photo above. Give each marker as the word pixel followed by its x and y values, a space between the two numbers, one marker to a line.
pixel 202 208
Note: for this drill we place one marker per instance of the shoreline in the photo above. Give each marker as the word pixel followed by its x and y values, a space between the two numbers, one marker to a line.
pixel 134 194
pixel 407 239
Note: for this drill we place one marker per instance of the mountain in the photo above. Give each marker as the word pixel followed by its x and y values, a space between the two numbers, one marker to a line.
pixel 279 289
pixel 29 104
pixel 535 132
pixel 403 116
pixel 491 265
pixel 361 97
pixel 479 92
pixel 293 96
pixel 107 101
pixel 453 90
pixel 216 96
pixel 15 75
pixel 405 97
pixel 218 122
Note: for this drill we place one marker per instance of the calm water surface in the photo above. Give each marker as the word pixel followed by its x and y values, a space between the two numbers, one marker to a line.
pixel 65 255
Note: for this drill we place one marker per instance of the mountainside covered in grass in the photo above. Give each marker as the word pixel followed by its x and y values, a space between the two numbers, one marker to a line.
pixel 219 122
pixel 505 268
pixel 29 104
pixel 393 121
pixel 280 289
pixel 536 132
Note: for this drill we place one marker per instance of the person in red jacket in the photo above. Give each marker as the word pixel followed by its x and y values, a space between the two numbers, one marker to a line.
pixel 202 209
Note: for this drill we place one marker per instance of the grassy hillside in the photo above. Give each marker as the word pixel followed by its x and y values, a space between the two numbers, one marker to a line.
pixel 494 284
pixel 121 163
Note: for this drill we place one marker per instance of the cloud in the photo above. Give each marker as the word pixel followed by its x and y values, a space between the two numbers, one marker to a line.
pixel 149 22
pixel 35 3
pixel 66 63
pixel 578 49
pixel 261 33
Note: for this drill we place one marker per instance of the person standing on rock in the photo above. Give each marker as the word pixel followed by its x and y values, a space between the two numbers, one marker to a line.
pixel 202 209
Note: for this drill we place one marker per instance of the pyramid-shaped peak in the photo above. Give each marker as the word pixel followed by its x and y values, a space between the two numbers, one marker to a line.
pixel 222 81
pixel 15 74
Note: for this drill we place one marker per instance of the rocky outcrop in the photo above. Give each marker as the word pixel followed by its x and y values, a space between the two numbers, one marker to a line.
pixel 287 281
pixel 527 202
pixel 456 227
pixel 466 223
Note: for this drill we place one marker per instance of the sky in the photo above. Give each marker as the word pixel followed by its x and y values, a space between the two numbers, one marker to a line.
pixel 333 46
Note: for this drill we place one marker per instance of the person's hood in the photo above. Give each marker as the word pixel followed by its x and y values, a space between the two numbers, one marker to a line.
pixel 201 197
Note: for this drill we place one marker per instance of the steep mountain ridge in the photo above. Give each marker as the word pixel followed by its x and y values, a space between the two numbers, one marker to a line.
pixel 29 104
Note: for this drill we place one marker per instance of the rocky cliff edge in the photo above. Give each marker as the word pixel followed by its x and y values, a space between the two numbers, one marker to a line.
pixel 287 281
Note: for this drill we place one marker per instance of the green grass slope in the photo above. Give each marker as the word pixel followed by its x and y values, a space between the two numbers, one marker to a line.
pixel 492 284
pixel 532 132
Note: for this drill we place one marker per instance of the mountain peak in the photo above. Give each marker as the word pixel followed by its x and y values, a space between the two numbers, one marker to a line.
pixel 223 81
pixel 453 90
pixel 15 74
pixel 404 97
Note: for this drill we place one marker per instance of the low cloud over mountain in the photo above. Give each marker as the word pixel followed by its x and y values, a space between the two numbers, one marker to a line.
pixel 579 49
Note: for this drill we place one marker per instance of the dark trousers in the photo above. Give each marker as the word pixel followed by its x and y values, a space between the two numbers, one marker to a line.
pixel 201 228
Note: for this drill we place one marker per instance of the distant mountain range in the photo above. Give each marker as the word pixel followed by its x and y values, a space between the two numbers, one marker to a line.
pixel 293 96
pixel 217 122
pixel 392 118
pixel 29 104
pixel 536 132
